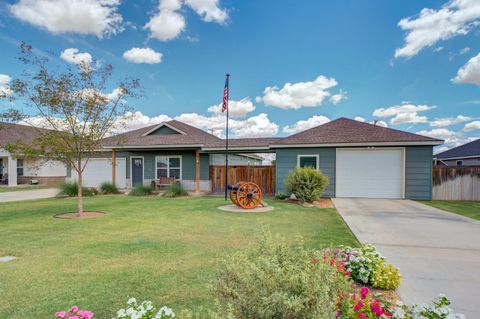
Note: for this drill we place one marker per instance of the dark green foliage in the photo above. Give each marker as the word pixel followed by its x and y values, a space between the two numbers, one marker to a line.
pixel 141 190
pixel 70 189
pixel 175 190
pixel 281 196
pixel 306 183
pixel 108 188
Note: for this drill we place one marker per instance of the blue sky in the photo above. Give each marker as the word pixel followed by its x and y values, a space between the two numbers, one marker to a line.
pixel 391 61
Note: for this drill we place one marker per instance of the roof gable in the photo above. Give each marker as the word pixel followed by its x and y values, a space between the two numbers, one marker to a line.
pixel 164 129
pixel 468 149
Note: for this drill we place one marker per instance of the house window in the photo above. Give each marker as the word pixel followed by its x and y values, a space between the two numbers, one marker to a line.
pixel 459 163
pixel 169 166
pixel 307 161
pixel 19 167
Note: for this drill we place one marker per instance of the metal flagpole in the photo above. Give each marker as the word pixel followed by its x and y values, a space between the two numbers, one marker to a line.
pixel 226 140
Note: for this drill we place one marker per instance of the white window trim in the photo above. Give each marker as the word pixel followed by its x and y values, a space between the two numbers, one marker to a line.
pixel 309 155
pixel 168 166
pixel 21 166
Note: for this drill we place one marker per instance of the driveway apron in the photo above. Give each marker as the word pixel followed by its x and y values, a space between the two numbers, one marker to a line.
pixel 436 251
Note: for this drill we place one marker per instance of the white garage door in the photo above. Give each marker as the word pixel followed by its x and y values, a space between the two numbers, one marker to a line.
pixel 99 170
pixel 371 173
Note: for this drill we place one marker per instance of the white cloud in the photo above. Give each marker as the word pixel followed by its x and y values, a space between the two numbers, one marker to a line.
pixel 465 50
pixel 99 18
pixel 438 49
pixel 303 125
pixel 255 126
pixel 359 119
pixel 208 10
pixel 298 95
pixel 472 126
pixel 72 55
pixel 336 98
pixel 456 17
pixel 142 55
pixel 470 72
pixel 235 108
pixel 136 120
pixel 449 121
pixel 451 138
pixel 168 22
pixel 403 113
pixel 4 88
pixel 379 123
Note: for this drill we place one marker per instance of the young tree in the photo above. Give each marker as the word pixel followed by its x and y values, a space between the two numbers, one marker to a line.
pixel 72 103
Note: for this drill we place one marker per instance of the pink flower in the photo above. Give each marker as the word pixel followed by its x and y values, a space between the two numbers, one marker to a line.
pixel 60 314
pixel 377 309
pixel 361 316
pixel 73 309
pixel 364 292
pixel 358 306
pixel 84 314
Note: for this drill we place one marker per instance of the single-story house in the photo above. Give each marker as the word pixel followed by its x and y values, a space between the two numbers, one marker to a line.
pixel 464 155
pixel 14 171
pixel 360 159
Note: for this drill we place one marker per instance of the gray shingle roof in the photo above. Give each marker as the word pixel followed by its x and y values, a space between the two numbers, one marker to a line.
pixel 11 133
pixel 468 149
pixel 344 131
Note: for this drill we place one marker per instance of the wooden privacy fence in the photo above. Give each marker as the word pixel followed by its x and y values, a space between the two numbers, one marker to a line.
pixel 456 183
pixel 264 176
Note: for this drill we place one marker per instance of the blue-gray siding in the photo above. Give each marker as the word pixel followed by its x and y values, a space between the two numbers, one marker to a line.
pixel 286 160
pixel 418 169
pixel 188 163
pixel 418 172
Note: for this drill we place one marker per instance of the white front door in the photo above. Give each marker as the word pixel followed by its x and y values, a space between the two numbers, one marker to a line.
pixel 371 173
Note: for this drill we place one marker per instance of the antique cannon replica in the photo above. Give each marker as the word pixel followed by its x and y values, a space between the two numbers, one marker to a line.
pixel 246 195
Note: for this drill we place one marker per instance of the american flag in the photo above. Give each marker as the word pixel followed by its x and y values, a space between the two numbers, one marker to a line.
pixel 225 95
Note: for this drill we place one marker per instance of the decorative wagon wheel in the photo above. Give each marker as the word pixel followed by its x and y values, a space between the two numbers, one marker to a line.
pixel 233 193
pixel 249 195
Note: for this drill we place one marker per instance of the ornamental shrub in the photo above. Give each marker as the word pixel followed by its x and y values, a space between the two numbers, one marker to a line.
pixel 274 280
pixel 109 188
pixel 175 190
pixel 363 305
pixel 144 310
pixel 141 190
pixel 386 276
pixel 70 189
pixel 281 196
pixel 361 262
pixel 306 183
pixel 439 309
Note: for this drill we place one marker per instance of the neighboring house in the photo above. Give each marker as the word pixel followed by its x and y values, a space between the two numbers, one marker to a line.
pixel 20 170
pixel 360 159
pixel 236 159
pixel 464 155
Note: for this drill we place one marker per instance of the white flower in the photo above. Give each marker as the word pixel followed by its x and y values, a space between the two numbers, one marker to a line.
pixel 132 301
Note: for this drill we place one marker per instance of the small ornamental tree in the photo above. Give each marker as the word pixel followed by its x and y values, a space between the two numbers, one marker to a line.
pixel 306 183
pixel 72 104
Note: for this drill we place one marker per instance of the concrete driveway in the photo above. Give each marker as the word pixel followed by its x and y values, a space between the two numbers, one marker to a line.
pixel 28 194
pixel 436 251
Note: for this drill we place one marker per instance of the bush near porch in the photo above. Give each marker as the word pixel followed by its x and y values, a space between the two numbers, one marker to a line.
pixel 157 249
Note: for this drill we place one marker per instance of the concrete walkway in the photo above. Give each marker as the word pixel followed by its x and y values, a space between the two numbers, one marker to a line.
pixel 436 251
pixel 28 194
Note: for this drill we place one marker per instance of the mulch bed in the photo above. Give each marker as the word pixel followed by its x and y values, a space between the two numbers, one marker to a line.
pixel 84 215
pixel 321 203
pixel 390 295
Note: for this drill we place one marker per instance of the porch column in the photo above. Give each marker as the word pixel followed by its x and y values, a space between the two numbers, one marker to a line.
pixel 114 165
pixel 12 171
pixel 197 171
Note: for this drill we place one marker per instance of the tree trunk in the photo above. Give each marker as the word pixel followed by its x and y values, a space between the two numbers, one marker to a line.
pixel 80 189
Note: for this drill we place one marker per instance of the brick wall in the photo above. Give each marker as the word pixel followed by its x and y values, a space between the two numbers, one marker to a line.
pixel 50 180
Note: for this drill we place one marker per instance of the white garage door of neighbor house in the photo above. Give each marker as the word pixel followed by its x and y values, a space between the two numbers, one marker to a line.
pixel 99 170
pixel 372 173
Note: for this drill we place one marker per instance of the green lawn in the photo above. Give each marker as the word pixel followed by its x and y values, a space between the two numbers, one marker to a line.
pixel 5 189
pixel 165 250
pixel 466 208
